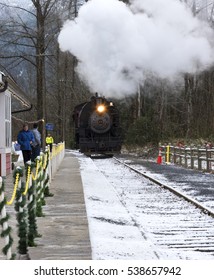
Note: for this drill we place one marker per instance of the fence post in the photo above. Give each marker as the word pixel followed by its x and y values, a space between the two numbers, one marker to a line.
pixel 39 192
pixel 174 154
pixel 47 176
pixel 6 230
pixel 199 159
pixel 208 156
pixel 22 220
pixel 168 154
pixel 32 228
pixel 191 158
pixel 185 157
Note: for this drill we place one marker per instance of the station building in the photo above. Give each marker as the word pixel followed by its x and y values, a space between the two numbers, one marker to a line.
pixel 9 89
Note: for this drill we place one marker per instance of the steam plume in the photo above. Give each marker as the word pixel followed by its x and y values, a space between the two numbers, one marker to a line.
pixel 118 45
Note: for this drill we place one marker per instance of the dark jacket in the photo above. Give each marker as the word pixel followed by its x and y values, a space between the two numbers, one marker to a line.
pixel 24 138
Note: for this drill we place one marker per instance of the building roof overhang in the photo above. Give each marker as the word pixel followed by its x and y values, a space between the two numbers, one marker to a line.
pixel 8 83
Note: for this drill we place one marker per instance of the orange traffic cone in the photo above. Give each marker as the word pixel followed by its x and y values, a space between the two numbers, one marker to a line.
pixel 159 159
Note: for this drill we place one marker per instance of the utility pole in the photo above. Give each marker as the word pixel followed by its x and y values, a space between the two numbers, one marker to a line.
pixel 41 16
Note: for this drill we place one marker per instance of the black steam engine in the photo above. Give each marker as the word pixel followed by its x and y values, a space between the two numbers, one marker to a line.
pixel 97 129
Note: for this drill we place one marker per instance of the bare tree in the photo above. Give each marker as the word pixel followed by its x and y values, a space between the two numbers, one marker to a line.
pixel 31 37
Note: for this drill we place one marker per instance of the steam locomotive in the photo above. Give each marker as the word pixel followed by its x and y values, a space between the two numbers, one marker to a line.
pixel 97 127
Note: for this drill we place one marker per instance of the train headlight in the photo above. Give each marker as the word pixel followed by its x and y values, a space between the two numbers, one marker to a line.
pixel 101 108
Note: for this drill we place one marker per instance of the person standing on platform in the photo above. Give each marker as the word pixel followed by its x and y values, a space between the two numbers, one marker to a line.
pixel 25 139
pixel 36 146
pixel 50 141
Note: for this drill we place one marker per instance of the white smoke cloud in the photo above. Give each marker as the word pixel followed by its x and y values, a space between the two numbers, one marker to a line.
pixel 116 44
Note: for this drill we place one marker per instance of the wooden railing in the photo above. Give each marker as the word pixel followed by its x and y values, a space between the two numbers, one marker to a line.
pixel 189 157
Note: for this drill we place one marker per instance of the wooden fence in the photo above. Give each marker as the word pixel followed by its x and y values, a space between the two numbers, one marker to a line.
pixel 189 157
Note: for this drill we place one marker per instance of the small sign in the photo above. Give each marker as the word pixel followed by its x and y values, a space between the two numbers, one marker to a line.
pixel 49 126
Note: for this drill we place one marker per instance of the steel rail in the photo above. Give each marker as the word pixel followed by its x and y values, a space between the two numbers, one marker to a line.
pixel 205 209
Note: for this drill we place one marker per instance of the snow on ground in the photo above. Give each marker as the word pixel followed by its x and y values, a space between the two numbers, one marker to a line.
pixel 118 227
pixel 120 238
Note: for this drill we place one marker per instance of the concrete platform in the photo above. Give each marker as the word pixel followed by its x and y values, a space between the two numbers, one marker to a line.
pixel 64 228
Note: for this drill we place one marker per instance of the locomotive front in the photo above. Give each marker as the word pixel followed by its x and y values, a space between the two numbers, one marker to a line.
pixel 100 119
pixel 97 128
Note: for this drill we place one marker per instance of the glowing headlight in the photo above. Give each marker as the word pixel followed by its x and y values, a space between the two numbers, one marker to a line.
pixel 101 108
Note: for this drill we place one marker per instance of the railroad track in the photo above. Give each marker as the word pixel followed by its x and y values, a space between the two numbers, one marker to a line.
pixel 177 228
pixel 199 205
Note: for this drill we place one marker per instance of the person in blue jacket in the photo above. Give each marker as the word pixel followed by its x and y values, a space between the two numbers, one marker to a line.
pixel 26 139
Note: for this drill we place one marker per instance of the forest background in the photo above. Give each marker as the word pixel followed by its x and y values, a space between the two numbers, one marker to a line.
pixel 161 110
